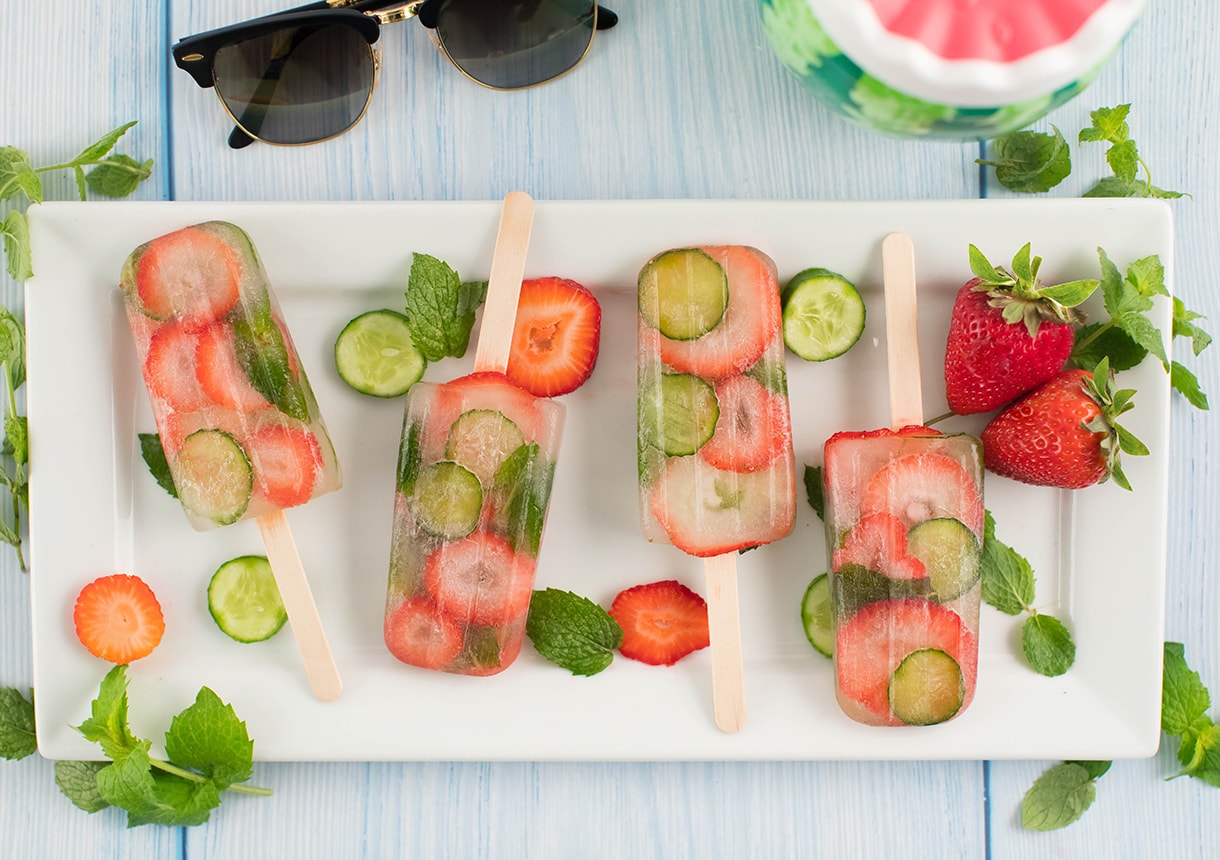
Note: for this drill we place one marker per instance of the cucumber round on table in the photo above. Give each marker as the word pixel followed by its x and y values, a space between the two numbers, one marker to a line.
pixel 927 688
pixel 375 354
pixel 823 314
pixel 816 616
pixel 244 599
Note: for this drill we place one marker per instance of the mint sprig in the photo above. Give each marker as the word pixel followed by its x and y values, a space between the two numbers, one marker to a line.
pixel 15 451
pixel 1061 795
pixel 1030 162
pixel 441 307
pixel 16 724
pixel 572 631
pixel 1110 126
pixel 1008 585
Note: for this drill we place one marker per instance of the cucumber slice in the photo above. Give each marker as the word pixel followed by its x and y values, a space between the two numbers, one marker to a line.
pixel 679 414
pixel 245 601
pixel 823 314
pixel 683 293
pixel 481 440
pixel 816 616
pixel 448 500
pixel 213 475
pixel 926 688
pixel 375 354
pixel 951 554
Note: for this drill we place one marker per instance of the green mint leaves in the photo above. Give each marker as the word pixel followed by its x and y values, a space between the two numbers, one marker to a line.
pixel 158 465
pixel 1008 585
pixel 1030 162
pixel 208 748
pixel 1061 795
pixel 814 492
pixel 441 308
pixel 572 631
pixel 15 451
pixel 1110 126
pixel 16 724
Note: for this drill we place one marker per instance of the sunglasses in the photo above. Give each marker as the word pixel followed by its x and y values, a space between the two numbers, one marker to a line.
pixel 308 74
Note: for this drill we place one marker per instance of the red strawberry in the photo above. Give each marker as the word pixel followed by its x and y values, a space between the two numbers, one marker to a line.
pixel 919 487
pixel 418 633
pixel 287 460
pixel 1063 434
pixel 191 275
pixel 662 622
pixel 169 369
pixel 221 375
pixel 879 543
pixel 484 390
pixel 555 337
pixel 753 428
pixel 480 580
pixel 118 618
pixel 1007 333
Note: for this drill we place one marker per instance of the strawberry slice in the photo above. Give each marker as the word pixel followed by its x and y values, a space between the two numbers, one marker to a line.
pixel 920 487
pixel 555 337
pixel 118 618
pixel 753 428
pixel 750 322
pixel 418 633
pixel 873 642
pixel 176 426
pixel 484 390
pixel 879 543
pixel 220 373
pixel 480 580
pixel 287 460
pixel 169 369
pixel 662 622
pixel 191 275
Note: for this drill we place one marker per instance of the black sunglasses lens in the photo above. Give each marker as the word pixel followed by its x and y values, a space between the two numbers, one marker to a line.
pixel 509 44
pixel 298 84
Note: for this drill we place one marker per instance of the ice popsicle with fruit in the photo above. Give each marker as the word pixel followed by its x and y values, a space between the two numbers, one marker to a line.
pixel 476 460
pixel 714 435
pixel 904 526
pixel 238 421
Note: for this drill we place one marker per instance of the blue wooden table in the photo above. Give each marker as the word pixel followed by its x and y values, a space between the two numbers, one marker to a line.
pixel 681 100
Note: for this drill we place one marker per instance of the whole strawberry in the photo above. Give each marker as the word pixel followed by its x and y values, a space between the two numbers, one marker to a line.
pixel 1063 433
pixel 1008 333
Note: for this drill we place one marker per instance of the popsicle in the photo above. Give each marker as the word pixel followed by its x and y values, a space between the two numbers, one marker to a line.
pixel 904 530
pixel 476 460
pixel 238 421
pixel 714 436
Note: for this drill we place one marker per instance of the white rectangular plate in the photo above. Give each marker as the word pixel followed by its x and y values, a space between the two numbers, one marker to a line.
pixel 1099 553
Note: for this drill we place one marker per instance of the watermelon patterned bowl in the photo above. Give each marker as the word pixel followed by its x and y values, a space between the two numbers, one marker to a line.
pixel 952 69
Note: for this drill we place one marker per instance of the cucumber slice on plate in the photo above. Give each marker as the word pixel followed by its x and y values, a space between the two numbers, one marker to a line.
pixel 926 688
pixel 816 616
pixel 683 293
pixel 214 476
pixel 448 500
pixel 823 314
pixel 245 601
pixel 950 553
pixel 375 354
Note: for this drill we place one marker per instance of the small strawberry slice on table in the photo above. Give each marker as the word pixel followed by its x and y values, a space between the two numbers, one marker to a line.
pixel 662 622
pixel 480 580
pixel 418 633
pixel 192 275
pixel 555 338
pixel 118 618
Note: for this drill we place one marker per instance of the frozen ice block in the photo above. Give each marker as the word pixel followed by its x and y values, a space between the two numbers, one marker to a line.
pixel 714 436
pixel 237 418
pixel 475 467
pixel 904 527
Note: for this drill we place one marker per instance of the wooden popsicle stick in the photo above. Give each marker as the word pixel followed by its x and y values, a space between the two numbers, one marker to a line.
pixel 302 611
pixel 901 330
pixel 504 283
pixel 724 629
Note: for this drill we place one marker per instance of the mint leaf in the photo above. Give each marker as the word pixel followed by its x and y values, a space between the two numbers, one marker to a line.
pixel 16 231
pixel 572 631
pixel 1102 340
pixel 78 782
pixel 813 490
pixel 118 176
pixel 1205 763
pixel 177 802
pixel 1184 699
pixel 1048 645
pixel 17 738
pixel 1058 797
pixel 17 175
pixel 1094 768
pixel 12 348
pixel 1112 186
pixel 1147 275
pixel 1008 579
pixel 440 308
pixel 107 724
pixel 158 465
pixel 522 484
pixel 1109 124
pixel 1187 384
pixel 96 151
pixel 1184 326
pixel 1030 162
pixel 1123 158
pixel 209 738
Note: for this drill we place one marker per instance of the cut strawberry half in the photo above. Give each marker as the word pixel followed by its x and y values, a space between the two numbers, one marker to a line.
pixel 118 618
pixel 753 428
pixel 879 543
pixel 873 642
pixel 480 580
pixel 191 275
pixel 287 460
pixel 662 622
pixel 921 487
pixel 169 369
pixel 418 633
pixel 220 373
pixel 555 337
pixel 750 322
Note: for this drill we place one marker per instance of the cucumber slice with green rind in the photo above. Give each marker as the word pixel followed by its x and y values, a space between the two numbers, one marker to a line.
pixel 679 414
pixel 816 616
pixel 481 440
pixel 213 475
pixel 375 354
pixel 823 314
pixel 951 554
pixel 448 500
pixel 683 293
pixel 927 688
pixel 244 600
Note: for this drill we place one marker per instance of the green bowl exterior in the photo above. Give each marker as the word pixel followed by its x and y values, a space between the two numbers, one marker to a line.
pixel 803 47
